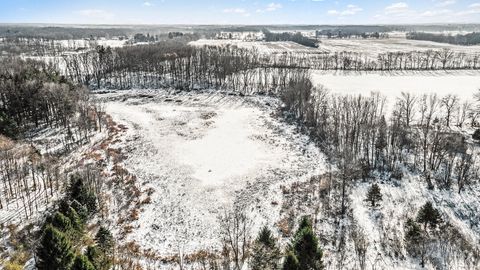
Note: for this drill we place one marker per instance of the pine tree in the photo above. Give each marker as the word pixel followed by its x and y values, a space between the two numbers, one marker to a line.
pixel 305 223
pixel 374 195
pixel 415 240
pixel 101 255
pixel 291 262
pixel 54 252
pixel 80 193
pixel 82 263
pixel 104 239
pixel 8 126
pixel 81 210
pixel 61 222
pixel 76 221
pixel 265 253
pixel 428 215
pixel 305 247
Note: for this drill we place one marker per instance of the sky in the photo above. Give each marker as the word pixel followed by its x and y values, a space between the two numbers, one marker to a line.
pixel 239 12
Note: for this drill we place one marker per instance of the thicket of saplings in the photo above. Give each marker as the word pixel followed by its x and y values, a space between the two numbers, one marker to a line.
pixel 458 39
pixel 174 63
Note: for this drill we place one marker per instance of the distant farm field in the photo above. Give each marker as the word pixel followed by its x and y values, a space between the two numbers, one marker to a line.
pixel 462 83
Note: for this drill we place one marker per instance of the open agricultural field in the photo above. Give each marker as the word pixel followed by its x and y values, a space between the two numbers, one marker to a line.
pixel 369 47
pixel 464 83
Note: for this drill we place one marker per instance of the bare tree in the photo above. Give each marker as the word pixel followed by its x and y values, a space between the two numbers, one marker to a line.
pixel 450 103
pixel 360 243
pixel 236 236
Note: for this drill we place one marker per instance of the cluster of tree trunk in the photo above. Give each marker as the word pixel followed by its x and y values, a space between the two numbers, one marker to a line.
pixel 34 97
pixel 173 63
pixel 419 135
pixel 176 64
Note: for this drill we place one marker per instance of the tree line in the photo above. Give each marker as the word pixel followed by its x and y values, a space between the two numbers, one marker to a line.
pixel 173 63
pixel 459 39
pixel 286 36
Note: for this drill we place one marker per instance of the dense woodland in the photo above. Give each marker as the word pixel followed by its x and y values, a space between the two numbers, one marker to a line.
pixel 459 39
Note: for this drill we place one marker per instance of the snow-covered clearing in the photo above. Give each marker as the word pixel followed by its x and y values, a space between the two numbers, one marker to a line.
pixel 201 153
pixel 463 83
pixel 374 47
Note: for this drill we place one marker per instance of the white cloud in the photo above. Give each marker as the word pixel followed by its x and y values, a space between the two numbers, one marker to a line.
pixel 273 6
pixel 147 4
pixel 240 11
pixel 445 3
pixel 235 10
pixel 397 8
pixel 433 13
pixel 350 10
pixel 270 7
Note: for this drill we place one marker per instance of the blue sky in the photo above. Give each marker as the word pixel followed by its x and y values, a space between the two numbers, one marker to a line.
pixel 239 12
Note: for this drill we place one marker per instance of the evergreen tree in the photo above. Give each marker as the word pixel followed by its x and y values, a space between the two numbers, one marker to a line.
pixel 415 240
pixel 76 221
pixel 61 222
pixel 54 252
pixel 265 253
pixel 305 223
pixel 291 262
pixel 476 135
pixel 104 239
pixel 305 248
pixel 428 215
pixel 82 263
pixel 81 210
pixel 8 127
pixel 374 195
pixel 101 255
pixel 80 193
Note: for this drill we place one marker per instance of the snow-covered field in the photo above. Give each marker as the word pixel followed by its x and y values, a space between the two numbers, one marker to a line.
pixel 462 83
pixel 369 47
pixel 201 153
pixel 378 46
